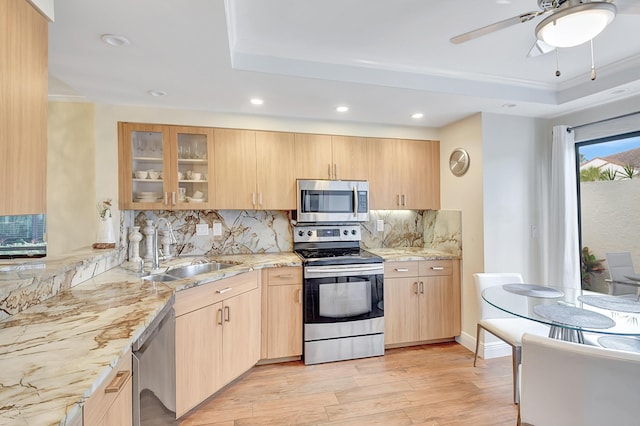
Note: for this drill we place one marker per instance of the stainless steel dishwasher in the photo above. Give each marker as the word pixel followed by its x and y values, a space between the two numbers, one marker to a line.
pixel 154 366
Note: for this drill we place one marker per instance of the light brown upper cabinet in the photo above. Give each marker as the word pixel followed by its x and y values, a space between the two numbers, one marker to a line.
pixel 254 170
pixel 23 109
pixel 404 174
pixel 313 156
pixel 276 185
pixel 165 167
pixel 331 157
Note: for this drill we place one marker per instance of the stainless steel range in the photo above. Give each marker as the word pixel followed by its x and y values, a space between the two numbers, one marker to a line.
pixel 343 294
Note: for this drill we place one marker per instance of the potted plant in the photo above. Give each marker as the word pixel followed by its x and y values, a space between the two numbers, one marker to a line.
pixel 589 265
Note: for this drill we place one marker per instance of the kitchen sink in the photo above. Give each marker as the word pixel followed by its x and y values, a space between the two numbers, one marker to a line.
pixel 197 269
pixel 159 277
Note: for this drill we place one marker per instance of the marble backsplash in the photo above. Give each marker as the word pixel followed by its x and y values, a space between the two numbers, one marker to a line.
pixel 246 231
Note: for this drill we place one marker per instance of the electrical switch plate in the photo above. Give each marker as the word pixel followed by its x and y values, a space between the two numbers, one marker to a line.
pixel 202 229
pixel 217 229
pixel 380 225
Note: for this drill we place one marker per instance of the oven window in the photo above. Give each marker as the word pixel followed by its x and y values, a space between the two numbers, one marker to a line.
pixel 345 299
pixel 327 201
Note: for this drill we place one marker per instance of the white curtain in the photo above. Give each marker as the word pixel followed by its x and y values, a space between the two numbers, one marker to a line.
pixel 564 252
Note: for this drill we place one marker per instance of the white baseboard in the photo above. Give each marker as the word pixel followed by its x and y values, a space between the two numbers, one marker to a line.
pixel 487 350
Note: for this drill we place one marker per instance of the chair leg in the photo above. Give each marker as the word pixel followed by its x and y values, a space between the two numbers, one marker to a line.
pixel 517 356
pixel 477 344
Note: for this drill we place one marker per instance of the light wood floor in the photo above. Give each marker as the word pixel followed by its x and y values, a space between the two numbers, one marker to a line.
pixel 432 385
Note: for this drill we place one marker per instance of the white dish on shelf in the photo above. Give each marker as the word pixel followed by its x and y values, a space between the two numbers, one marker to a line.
pixel 195 200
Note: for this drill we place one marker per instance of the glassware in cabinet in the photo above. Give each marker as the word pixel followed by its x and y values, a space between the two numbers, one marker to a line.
pixel 193 153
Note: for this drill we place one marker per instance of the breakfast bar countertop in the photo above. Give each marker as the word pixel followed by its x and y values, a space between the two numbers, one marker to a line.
pixel 53 355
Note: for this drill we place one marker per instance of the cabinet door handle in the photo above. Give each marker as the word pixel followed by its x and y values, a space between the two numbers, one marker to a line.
pixel 118 382
pixel 421 287
pixel 335 170
pixel 260 199
pixel 173 198
pixel 415 288
pixel 253 199
pixel 300 296
pixel 398 203
pixel 402 269
pixel 285 276
pixel 219 316
pixel 437 268
pixel 227 314
pixel 404 200
pixel 166 198
pixel 224 290
pixel 329 170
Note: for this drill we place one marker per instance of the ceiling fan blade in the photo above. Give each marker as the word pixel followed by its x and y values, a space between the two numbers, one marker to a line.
pixel 525 17
pixel 539 48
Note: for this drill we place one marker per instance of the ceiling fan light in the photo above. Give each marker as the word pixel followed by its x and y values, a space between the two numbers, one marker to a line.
pixel 575 24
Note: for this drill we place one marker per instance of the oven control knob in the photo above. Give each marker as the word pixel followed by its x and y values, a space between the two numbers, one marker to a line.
pixel 353 232
pixel 301 233
pixel 345 232
pixel 310 233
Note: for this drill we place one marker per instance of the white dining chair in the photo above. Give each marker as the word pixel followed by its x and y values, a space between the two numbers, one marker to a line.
pixel 619 265
pixel 569 384
pixel 506 327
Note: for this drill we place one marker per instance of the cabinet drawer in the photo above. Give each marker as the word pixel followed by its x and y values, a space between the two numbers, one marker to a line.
pixel 436 267
pixel 208 294
pixel 400 269
pixel 96 406
pixel 284 276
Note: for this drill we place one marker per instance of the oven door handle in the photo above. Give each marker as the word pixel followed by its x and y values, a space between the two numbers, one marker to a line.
pixel 349 268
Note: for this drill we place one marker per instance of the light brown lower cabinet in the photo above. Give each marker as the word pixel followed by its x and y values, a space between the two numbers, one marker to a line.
pixel 217 336
pixel 282 313
pixel 422 301
pixel 111 404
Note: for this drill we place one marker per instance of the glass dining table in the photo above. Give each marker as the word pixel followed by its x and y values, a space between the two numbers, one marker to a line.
pixel 570 313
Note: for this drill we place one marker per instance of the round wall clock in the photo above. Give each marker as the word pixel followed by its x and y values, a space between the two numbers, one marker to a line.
pixel 459 161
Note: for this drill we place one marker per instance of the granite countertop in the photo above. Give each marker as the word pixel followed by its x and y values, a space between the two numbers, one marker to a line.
pixel 53 355
pixel 401 254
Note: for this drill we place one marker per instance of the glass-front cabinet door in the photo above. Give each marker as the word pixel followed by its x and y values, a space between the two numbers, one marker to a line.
pixel 194 147
pixel 164 167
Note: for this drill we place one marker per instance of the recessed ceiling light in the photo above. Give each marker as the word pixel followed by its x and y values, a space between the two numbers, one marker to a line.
pixel 417 115
pixel 342 108
pixel 256 101
pixel 509 105
pixel 115 40
pixel 157 93
pixel 503 1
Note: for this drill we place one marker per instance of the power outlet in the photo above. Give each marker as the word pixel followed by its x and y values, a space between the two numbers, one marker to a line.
pixel 217 229
pixel 202 229
pixel 380 225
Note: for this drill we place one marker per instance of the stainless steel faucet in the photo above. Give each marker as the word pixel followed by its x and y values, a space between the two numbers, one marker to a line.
pixel 156 258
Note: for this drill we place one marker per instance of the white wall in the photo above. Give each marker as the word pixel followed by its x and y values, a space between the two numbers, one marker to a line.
pixel 71 202
pixel 465 194
pixel 513 188
pixel 502 197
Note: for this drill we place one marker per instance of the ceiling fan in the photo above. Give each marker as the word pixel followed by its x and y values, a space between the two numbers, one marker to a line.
pixel 568 22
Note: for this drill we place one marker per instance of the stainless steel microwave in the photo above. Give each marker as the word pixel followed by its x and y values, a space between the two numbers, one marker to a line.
pixel 332 201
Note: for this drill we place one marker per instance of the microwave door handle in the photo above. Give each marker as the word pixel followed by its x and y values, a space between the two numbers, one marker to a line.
pixel 355 204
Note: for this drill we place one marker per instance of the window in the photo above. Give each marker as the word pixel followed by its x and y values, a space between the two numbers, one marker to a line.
pixel 608 204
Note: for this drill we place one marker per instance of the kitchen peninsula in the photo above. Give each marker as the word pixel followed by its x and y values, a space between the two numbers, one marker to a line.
pixel 57 353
